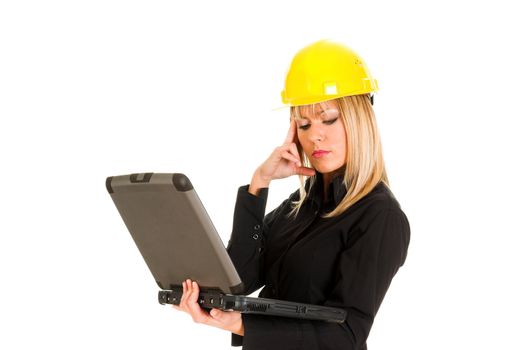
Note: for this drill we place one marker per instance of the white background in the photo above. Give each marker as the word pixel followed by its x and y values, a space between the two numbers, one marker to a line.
pixel 90 89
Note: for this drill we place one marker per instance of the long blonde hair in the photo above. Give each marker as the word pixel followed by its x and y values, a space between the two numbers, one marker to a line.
pixel 365 166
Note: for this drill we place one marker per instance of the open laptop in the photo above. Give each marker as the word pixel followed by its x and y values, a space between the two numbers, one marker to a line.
pixel 177 239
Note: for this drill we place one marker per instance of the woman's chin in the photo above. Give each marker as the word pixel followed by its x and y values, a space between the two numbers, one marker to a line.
pixel 327 169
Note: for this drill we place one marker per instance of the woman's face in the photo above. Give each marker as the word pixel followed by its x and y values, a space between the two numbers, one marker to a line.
pixel 322 135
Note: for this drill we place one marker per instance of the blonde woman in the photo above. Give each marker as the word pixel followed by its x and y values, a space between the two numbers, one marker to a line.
pixel 341 237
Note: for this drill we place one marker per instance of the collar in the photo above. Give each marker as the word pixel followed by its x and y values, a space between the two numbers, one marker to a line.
pixel 336 190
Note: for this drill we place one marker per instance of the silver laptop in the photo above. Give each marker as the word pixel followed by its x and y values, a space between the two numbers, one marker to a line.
pixel 178 240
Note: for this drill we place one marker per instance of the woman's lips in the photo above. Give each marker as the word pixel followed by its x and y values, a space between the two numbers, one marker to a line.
pixel 319 153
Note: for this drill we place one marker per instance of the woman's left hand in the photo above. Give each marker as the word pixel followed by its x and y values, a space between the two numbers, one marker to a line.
pixel 228 320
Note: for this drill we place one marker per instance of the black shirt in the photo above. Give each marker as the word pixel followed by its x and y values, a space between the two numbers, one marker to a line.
pixel 347 261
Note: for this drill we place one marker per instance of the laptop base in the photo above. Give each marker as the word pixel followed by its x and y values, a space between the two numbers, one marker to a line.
pixel 216 299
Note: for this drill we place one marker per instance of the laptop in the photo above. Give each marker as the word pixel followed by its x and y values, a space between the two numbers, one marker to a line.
pixel 178 240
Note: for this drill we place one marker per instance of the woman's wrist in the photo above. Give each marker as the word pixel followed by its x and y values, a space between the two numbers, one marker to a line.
pixel 239 328
pixel 257 183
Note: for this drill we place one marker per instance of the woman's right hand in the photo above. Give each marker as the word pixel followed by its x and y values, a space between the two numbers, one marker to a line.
pixel 283 162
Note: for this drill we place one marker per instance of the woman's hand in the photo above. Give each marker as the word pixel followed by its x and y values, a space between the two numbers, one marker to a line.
pixel 228 320
pixel 283 162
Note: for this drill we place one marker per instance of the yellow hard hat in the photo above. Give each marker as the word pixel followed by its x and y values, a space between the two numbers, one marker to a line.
pixel 323 71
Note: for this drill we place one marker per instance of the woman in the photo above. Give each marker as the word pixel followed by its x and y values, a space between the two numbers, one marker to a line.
pixel 337 241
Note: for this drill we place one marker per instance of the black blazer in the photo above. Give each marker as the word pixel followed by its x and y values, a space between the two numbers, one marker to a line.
pixel 346 262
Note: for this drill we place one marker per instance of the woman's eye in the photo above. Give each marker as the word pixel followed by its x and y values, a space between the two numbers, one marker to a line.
pixel 304 127
pixel 330 122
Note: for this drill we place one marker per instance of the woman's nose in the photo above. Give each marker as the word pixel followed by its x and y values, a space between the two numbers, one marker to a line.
pixel 316 133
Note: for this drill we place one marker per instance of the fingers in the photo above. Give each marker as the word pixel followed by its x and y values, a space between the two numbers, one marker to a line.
pixel 189 302
pixel 295 151
pixel 196 312
pixel 184 296
pixel 305 171
pixel 217 314
pixel 287 153
pixel 290 145
pixel 230 321
pixel 227 320
pixel 291 132
pixel 194 292
pixel 291 153
pixel 300 170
